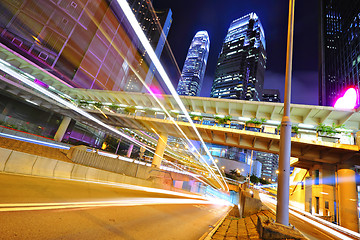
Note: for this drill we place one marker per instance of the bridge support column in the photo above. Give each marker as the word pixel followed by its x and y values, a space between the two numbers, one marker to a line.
pixel 347 198
pixel 160 149
pixel 62 129
pixel 357 139
pixel 128 154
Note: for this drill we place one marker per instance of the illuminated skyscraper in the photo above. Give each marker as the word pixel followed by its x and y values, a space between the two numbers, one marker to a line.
pixel 242 61
pixel 193 71
pixel 339 49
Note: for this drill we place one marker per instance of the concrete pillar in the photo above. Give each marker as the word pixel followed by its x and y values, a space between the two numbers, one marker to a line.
pixel 130 150
pixel 357 138
pixel 62 129
pixel 7 109
pixel 160 149
pixel 348 198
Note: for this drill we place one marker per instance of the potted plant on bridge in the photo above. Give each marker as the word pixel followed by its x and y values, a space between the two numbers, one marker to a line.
pixel 98 105
pixel 114 107
pixel 223 120
pixel 196 117
pixel 254 122
pixel 83 103
pixel 295 130
pixel 327 133
pixel 130 110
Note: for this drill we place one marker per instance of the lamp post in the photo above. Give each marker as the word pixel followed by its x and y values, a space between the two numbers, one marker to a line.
pixel 282 207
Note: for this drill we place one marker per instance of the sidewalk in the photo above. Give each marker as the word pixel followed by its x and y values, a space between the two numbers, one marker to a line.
pixel 234 228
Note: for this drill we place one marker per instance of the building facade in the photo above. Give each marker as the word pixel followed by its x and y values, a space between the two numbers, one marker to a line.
pixel 339 66
pixel 193 72
pixel 86 44
pixel 242 61
pixel 156 26
pixel 270 164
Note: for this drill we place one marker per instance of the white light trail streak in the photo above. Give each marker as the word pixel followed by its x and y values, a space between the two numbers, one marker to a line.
pixel 143 39
pixel 315 223
pixel 15 207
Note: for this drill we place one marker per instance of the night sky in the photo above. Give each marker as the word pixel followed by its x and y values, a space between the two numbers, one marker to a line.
pixel 215 16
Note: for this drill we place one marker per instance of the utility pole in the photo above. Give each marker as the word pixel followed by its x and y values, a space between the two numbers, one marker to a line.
pixel 282 207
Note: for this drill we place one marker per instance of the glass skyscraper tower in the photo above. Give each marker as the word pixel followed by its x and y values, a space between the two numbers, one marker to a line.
pixel 242 61
pixel 193 71
pixel 339 49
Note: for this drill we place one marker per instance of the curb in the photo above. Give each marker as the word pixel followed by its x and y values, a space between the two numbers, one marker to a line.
pixel 208 235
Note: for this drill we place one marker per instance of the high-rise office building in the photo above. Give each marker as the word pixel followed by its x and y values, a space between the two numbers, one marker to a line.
pixel 271 95
pixel 269 161
pixel 269 165
pixel 339 48
pixel 156 26
pixel 193 71
pixel 86 44
pixel 242 61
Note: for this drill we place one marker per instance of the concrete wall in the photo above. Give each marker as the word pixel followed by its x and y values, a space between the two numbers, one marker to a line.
pixel 249 201
pixel 23 163
pixel 297 188
pixel 92 159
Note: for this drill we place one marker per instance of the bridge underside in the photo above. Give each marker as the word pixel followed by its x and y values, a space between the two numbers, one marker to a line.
pixel 308 152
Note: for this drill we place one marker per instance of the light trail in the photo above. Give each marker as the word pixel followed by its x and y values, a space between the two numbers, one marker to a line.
pixel 144 41
pixel 6 67
pixel 15 207
pixel 326 226
pixel 53 145
pixel 151 190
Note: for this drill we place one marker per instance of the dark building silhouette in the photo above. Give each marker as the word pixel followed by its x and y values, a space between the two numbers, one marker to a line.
pixel 271 95
pixel 339 48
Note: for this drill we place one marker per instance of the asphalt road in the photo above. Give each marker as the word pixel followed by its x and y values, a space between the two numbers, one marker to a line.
pixel 40 208
pixel 309 230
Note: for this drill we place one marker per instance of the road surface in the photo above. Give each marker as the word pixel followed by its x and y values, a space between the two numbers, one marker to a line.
pixel 40 208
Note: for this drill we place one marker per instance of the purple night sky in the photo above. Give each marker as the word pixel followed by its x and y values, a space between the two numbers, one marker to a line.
pixel 215 16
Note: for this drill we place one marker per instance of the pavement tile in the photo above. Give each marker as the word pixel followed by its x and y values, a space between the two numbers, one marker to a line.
pixel 217 237
pixel 231 238
pixel 242 237
pixel 240 229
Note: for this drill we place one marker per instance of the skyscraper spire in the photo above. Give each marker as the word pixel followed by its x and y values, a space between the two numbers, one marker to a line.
pixel 193 71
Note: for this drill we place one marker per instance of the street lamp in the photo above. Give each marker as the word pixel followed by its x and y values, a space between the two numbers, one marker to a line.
pixel 282 207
